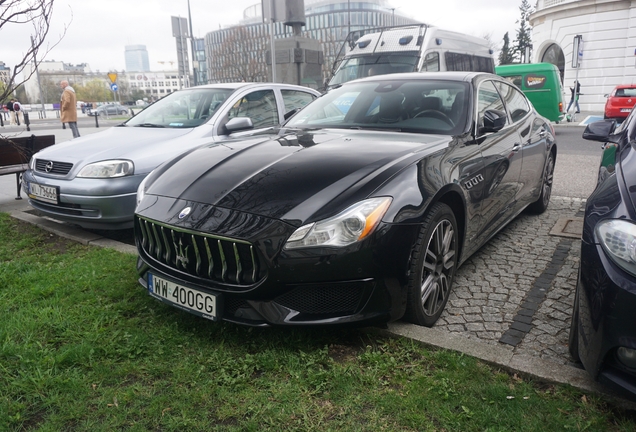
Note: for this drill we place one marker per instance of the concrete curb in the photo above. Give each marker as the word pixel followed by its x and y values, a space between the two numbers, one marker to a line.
pixel 502 356
pixel 73 233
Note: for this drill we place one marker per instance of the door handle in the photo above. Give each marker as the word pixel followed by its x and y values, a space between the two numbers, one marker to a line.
pixel 516 147
pixel 542 133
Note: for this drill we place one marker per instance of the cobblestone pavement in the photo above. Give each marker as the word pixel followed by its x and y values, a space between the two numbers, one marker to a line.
pixel 518 289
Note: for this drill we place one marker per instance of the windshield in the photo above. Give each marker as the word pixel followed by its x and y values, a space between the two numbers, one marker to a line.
pixel 182 109
pixel 420 106
pixel 369 65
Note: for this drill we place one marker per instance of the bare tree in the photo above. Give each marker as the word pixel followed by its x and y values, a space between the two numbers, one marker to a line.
pixel 330 47
pixel 240 57
pixel 37 14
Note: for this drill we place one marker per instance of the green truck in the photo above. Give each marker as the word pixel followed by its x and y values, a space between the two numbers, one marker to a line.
pixel 541 83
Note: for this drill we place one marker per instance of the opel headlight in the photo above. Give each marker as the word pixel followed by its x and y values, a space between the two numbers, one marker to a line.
pixel 352 225
pixel 108 169
pixel 618 239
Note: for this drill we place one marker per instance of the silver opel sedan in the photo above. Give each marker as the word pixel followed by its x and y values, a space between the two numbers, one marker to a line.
pixel 92 181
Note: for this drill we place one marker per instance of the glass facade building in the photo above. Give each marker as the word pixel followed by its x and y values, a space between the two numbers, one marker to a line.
pixel 238 53
pixel 137 58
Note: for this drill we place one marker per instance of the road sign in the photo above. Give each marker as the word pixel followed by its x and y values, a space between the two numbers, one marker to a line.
pixel 114 87
pixel 113 77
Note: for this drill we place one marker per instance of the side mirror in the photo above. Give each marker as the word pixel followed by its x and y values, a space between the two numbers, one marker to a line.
pixel 599 130
pixel 494 121
pixel 239 124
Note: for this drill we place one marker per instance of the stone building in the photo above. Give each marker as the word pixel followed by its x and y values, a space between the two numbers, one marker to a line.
pixel 608 56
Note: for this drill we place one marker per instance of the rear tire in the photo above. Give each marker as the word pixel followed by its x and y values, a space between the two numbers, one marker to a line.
pixel 540 205
pixel 432 268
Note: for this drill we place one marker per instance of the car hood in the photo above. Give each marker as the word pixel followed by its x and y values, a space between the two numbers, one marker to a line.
pixel 146 147
pixel 293 176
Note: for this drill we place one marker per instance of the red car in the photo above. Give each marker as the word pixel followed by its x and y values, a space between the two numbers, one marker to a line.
pixel 620 102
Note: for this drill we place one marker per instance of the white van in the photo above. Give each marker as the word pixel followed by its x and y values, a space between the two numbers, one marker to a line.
pixel 409 49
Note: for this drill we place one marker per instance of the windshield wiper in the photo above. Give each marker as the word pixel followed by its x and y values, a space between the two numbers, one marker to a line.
pixel 150 125
pixel 372 128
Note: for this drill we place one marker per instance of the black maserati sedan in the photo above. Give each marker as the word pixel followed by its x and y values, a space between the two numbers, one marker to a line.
pixel 603 329
pixel 359 209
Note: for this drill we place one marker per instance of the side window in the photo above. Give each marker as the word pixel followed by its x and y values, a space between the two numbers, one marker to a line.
pixel 488 99
pixel 516 102
pixel 294 99
pixel 260 106
pixel 431 62
pixel 484 64
pixel 515 79
pixel 458 62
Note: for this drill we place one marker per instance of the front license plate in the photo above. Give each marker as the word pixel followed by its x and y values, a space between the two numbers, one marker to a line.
pixel 626 110
pixel 44 193
pixel 194 301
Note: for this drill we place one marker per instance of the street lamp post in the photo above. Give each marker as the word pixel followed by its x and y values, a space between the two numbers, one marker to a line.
pixel 348 17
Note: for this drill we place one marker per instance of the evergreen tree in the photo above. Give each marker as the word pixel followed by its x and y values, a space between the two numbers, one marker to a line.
pixel 506 56
pixel 524 32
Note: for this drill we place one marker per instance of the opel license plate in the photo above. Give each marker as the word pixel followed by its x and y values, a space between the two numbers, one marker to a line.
pixel 40 192
pixel 191 300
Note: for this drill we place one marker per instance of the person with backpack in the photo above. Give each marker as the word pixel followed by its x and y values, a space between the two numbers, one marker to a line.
pixel 68 107
pixel 17 109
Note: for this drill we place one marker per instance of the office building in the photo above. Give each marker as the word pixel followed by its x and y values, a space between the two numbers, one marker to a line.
pixel 137 58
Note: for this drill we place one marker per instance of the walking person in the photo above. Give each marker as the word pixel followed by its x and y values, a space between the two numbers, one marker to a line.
pixel 68 107
pixel 576 91
pixel 12 121
pixel 17 111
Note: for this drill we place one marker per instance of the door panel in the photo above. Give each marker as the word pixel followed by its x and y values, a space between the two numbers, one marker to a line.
pixel 501 154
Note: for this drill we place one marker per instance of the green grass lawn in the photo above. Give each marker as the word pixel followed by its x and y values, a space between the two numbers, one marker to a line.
pixel 83 347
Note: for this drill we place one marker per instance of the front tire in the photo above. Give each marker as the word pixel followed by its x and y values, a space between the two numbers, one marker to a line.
pixel 540 205
pixel 433 266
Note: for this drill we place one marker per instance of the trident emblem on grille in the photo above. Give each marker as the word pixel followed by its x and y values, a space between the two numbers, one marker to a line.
pixel 182 255
pixel 185 212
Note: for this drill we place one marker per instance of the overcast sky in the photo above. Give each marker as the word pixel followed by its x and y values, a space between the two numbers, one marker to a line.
pixel 98 31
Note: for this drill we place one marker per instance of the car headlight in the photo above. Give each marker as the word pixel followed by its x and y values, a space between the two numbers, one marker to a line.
pixel 350 226
pixel 141 190
pixel 618 239
pixel 108 169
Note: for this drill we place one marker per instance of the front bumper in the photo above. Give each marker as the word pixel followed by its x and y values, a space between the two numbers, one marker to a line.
pixel 90 203
pixel 364 301
pixel 240 258
pixel 607 301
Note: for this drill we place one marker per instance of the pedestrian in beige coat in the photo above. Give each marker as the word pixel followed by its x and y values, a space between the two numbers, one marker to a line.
pixel 68 107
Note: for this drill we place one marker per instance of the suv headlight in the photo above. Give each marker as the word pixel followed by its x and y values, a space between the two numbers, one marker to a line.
pixel 352 225
pixel 618 239
pixel 108 169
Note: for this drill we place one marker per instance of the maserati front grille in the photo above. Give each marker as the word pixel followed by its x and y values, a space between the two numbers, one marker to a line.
pixel 216 258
